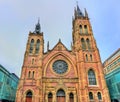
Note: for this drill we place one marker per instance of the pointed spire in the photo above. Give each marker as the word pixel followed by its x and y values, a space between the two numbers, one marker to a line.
pixel 78 11
pixel 37 28
pixel 59 40
pixel 86 14
pixel 48 46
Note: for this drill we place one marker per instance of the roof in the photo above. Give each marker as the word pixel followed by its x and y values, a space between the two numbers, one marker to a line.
pixel 4 70
pixel 112 56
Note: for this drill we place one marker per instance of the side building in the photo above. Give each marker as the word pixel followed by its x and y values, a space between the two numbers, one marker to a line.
pixel 8 85
pixel 112 75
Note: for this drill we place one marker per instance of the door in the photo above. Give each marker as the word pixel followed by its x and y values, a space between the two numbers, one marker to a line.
pixel 29 96
pixel 28 99
pixel 60 96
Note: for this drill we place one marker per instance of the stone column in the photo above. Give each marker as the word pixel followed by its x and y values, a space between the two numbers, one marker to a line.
pixel 54 97
pixel 75 97
pixel 46 98
pixel 67 97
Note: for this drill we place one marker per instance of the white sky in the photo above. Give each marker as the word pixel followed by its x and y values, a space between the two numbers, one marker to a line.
pixel 18 17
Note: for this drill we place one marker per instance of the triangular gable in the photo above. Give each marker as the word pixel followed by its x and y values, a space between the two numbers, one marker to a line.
pixel 60 47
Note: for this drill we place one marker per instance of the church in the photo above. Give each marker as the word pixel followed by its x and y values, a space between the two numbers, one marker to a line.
pixel 62 75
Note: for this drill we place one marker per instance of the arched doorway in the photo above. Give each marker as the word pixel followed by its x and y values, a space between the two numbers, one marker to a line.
pixel 71 97
pixel 60 96
pixel 50 96
pixel 29 96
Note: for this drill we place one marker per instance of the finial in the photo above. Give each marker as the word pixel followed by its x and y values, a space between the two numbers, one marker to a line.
pixel 86 14
pixel 48 46
pixel 59 40
pixel 37 27
pixel 77 3
pixel 78 12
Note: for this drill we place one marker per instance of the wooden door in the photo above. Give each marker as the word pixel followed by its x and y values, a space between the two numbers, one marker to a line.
pixel 60 96
pixel 50 99
pixel 28 99
pixel 60 99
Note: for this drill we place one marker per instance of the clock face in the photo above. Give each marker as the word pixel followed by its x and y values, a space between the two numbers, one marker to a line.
pixel 60 66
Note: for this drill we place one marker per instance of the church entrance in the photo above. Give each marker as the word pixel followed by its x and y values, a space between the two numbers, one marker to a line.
pixel 29 97
pixel 60 96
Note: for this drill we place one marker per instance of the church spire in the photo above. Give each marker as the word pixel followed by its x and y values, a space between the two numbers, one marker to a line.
pixel 48 46
pixel 37 28
pixel 78 12
pixel 86 14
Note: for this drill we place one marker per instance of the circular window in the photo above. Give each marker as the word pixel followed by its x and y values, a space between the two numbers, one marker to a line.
pixel 60 66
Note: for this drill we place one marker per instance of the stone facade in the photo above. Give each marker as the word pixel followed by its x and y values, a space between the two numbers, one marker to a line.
pixel 62 75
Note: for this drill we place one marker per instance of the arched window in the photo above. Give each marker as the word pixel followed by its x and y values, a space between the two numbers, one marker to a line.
pixel 86 57
pixel 33 61
pixel 37 46
pixel 91 58
pixel 80 29
pixel 29 74
pixel 50 96
pixel 71 97
pixel 99 96
pixel 29 96
pixel 83 44
pixel 60 96
pixel 90 95
pixel 88 43
pixel 85 29
pixel 91 77
pixel 33 74
pixel 31 46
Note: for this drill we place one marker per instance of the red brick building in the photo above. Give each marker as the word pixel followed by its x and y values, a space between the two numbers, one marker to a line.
pixel 62 75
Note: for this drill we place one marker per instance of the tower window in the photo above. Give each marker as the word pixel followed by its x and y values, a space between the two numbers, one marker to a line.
pixel 29 74
pixel 83 43
pixel 80 29
pixel 91 77
pixel 91 58
pixel 31 46
pixel 37 46
pixel 86 57
pixel 99 96
pixel 88 43
pixel 33 61
pixel 33 74
pixel 85 29
pixel 90 95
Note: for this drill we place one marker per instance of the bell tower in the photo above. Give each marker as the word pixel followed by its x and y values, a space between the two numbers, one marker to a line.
pixel 82 31
pixel 88 60
pixel 30 80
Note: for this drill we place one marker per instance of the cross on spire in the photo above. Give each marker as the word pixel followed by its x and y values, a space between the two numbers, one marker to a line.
pixel 37 27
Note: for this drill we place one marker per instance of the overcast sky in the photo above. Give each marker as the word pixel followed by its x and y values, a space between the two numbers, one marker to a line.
pixel 18 17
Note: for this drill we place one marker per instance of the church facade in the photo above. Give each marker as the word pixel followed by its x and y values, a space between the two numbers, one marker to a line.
pixel 62 75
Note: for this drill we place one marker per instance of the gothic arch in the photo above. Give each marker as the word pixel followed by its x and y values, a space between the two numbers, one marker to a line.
pixel 83 42
pixel 88 43
pixel 60 95
pixel 37 46
pixel 28 95
pixel 31 46
pixel 96 74
pixel 50 97
pixel 53 56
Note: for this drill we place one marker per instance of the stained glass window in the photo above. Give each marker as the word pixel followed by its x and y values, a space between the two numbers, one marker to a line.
pixel 60 66
pixel 91 77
